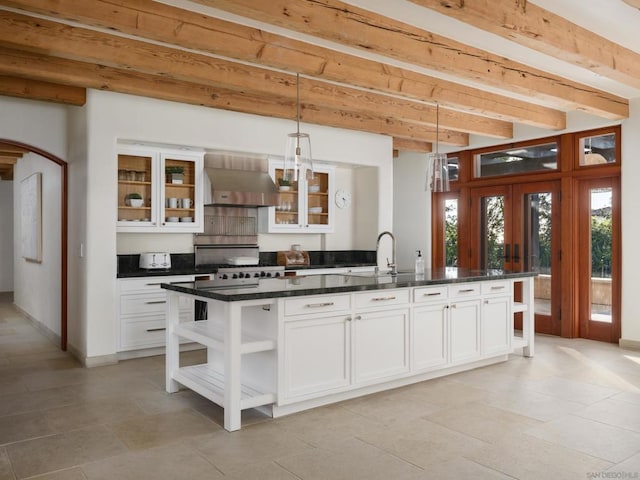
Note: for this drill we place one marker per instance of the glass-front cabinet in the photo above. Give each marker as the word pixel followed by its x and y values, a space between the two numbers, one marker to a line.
pixel 159 190
pixel 306 205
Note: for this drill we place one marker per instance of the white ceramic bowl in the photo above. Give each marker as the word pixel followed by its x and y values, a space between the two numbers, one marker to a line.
pixel 314 188
pixel 186 219
pixel 135 202
pixel 315 210
pixel 173 219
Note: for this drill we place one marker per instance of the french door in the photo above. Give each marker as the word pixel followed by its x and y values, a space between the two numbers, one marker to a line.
pixel 516 227
pixel 599 264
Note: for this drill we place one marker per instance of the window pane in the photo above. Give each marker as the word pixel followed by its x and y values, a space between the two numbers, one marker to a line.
pixel 451 232
pixel 601 239
pixel 598 150
pixel 538 256
pixel 453 164
pixel 537 158
pixel 492 235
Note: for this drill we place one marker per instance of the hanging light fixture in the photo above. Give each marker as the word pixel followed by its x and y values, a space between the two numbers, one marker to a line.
pixel 298 152
pixel 437 165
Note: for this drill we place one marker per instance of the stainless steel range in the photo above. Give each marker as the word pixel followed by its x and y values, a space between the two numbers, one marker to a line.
pixel 228 275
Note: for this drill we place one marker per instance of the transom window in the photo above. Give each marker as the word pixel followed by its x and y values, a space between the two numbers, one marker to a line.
pixel 534 158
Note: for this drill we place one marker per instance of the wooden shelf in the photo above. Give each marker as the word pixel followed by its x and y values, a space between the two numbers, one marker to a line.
pixel 519 307
pixel 178 210
pixel 179 185
pixel 132 182
pixel 127 207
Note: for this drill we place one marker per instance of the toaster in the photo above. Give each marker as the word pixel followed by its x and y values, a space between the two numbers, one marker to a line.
pixel 155 261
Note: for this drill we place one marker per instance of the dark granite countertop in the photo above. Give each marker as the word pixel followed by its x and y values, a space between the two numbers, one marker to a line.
pixel 336 283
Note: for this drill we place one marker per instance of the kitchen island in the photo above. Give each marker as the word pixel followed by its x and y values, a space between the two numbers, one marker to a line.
pixel 288 344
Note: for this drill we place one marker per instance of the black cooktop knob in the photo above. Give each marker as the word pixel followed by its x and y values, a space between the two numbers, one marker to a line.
pixel 235 275
pixel 256 274
pixel 277 274
pixel 225 276
pixel 262 274
pixel 269 274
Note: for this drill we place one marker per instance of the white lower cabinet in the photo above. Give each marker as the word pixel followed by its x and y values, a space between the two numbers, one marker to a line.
pixel 327 352
pixel 141 313
pixel 317 356
pixel 497 325
pixel 380 345
pixel 430 337
pixel 464 331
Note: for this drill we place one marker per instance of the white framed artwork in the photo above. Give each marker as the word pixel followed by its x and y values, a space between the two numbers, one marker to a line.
pixel 31 217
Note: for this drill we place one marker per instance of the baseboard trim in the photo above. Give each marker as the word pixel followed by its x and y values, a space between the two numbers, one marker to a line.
pixel 41 327
pixel 629 344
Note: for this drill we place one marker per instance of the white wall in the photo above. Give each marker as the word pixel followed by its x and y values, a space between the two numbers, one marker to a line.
pixel 412 209
pixel 6 236
pixel 115 116
pixel 42 125
pixel 630 224
pixel 37 284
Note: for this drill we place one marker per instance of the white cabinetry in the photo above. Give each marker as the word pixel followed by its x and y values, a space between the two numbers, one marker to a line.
pixel 430 328
pixel 141 313
pixel 497 322
pixel 333 343
pixel 464 325
pixel 317 355
pixel 306 207
pixel 168 205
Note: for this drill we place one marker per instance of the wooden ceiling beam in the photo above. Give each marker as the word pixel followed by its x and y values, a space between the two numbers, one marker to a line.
pixel 151 20
pixel 71 72
pixel 633 3
pixel 404 144
pixel 39 90
pixel 51 38
pixel 7 160
pixel 527 24
pixel 343 23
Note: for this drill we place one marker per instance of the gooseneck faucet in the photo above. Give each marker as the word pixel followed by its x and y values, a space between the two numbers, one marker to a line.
pixel 392 265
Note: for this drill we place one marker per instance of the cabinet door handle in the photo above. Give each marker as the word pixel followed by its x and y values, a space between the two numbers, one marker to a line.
pixel 467 290
pixel 156 302
pixel 358 317
pixel 156 329
pixel 319 305
pixel 446 307
pixel 153 284
pixel 497 287
pixel 349 319
pixel 382 299
pixel 433 294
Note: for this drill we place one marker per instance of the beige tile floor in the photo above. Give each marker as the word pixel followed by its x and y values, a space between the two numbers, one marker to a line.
pixel 571 412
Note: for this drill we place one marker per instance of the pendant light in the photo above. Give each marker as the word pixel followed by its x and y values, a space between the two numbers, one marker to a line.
pixel 298 152
pixel 437 165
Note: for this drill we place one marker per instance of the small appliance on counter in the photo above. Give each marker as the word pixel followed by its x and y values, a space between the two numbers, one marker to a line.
pixel 155 261
pixel 296 257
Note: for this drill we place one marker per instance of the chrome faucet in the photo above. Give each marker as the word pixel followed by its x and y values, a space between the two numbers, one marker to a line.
pixel 392 265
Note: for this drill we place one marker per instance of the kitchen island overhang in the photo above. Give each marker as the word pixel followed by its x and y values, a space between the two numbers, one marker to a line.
pixel 293 343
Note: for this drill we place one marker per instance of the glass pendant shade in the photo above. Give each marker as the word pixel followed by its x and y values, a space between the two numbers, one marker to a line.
pixel 438 172
pixel 297 154
pixel 437 165
pixel 298 151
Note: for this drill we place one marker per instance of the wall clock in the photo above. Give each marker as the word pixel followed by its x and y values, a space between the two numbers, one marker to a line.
pixel 343 198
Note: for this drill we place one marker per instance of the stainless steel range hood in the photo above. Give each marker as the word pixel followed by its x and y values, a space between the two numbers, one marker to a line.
pixel 239 182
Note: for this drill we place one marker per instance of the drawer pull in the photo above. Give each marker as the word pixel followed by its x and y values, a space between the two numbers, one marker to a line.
pixel 156 329
pixel 497 287
pixel 432 294
pixel 382 299
pixel 155 302
pixel 467 290
pixel 319 305
pixel 154 284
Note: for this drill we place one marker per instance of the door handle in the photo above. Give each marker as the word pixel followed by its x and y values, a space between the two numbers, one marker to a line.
pixel 516 252
pixel 507 253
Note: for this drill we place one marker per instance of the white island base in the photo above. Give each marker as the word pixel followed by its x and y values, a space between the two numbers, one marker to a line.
pixel 283 355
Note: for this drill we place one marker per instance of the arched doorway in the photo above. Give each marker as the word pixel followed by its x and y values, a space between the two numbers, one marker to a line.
pixel 63 228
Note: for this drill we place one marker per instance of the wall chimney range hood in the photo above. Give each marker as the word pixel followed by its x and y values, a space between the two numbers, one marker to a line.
pixel 238 182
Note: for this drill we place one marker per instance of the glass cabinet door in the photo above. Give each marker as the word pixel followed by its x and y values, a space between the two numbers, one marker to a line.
pixel 317 198
pixel 178 198
pixel 136 193
pixel 287 212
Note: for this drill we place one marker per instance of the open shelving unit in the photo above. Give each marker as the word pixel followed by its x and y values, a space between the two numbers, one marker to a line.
pixel 524 338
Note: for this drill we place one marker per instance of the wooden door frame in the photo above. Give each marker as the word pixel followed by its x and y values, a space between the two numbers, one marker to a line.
pixel 64 228
pixel 611 332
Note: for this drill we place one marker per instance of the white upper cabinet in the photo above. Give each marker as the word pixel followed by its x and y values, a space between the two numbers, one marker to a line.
pixel 305 206
pixel 159 190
